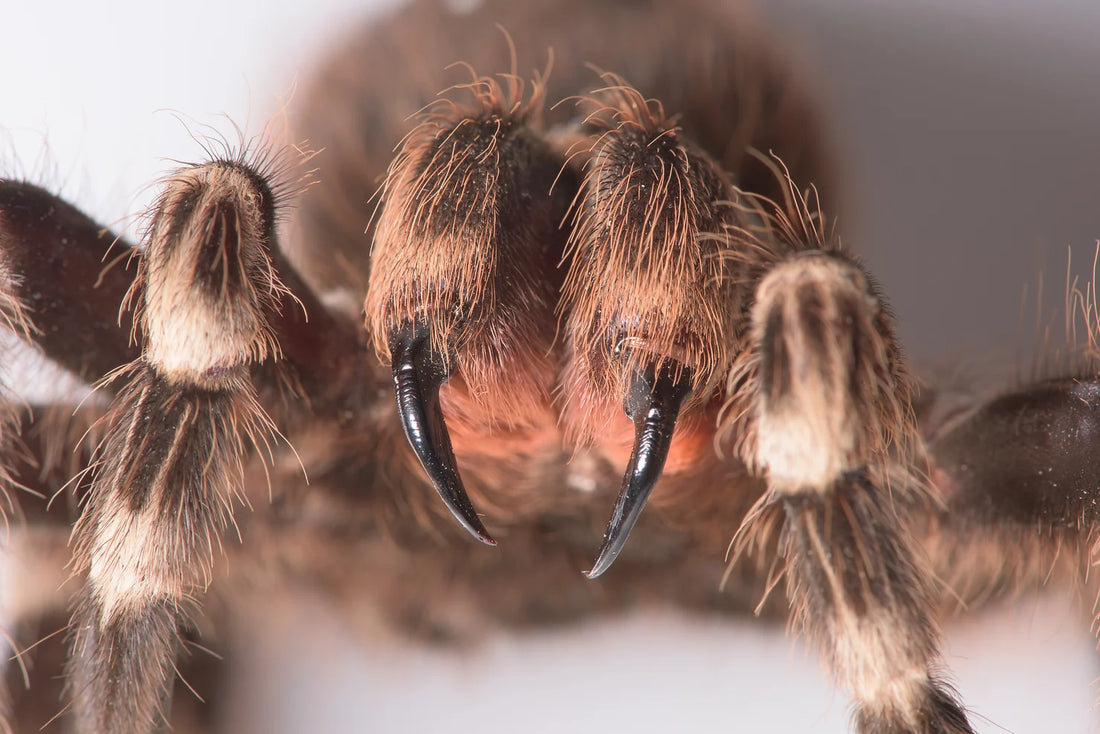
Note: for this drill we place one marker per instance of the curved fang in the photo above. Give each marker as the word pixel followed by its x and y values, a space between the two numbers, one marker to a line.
pixel 653 403
pixel 418 373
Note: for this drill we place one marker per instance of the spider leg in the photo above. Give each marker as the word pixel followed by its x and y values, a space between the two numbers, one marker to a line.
pixel 59 442
pixel 33 561
pixel 55 443
pixel 186 418
pixel 65 278
pixel 1022 462
pixel 33 552
pixel 829 415
pixel 70 275
pixel 57 256
pixel 33 556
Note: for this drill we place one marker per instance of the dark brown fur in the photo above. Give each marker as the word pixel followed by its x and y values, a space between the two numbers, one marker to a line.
pixel 647 282
pixel 468 241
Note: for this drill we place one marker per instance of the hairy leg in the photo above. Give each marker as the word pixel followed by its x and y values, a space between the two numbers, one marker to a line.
pixel 1017 476
pixel 209 304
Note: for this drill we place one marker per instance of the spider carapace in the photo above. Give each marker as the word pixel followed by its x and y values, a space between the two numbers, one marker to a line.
pixel 599 270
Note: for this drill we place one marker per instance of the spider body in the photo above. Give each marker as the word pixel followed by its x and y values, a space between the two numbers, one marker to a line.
pixel 554 293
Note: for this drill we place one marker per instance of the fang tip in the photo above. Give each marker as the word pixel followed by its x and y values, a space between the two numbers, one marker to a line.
pixel 418 373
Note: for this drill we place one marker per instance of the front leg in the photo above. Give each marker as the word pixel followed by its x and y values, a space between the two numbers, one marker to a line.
pixel 826 413
pixel 180 430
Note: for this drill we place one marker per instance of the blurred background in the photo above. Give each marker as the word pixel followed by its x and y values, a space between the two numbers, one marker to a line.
pixel 973 172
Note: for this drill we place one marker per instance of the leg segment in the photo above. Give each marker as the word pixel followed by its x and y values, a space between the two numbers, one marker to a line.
pixel 1018 478
pixel 33 557
pixel 828 416
pixel 56 445
pixel 69 276
pixel 180 430
pixel 185 414
pixel 70 290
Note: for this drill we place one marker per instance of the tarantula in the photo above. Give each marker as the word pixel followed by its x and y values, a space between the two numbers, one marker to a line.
pixel 616 260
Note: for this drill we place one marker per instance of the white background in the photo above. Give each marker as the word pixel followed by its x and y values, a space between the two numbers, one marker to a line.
pixel 972 132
